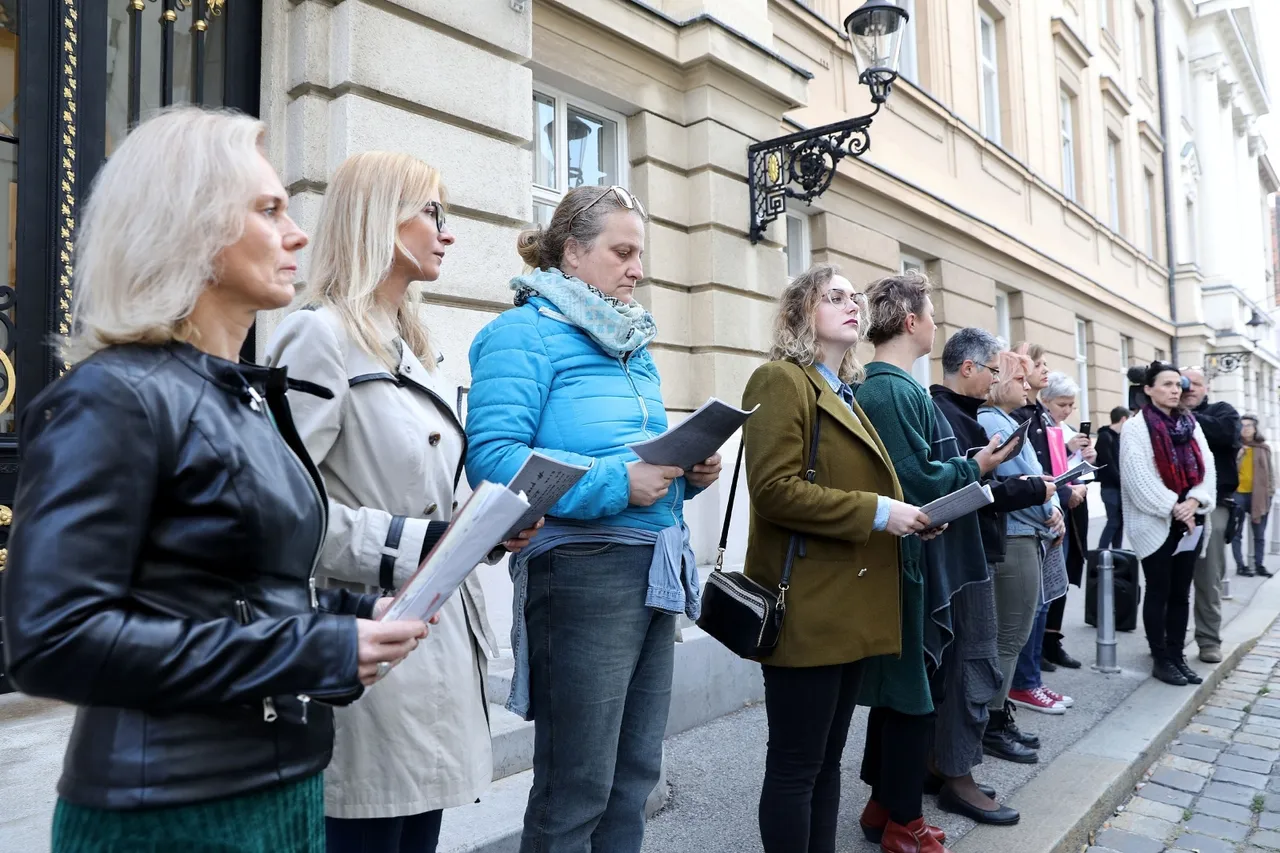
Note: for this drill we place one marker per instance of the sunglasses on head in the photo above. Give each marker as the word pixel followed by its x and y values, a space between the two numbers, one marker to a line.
pixel 625 198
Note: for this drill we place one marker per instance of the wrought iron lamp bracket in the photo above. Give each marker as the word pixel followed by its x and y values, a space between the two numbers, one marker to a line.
pixel 800 165
pixel 1225 362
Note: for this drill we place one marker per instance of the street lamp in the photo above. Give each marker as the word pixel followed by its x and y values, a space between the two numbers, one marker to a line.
pixel 802 165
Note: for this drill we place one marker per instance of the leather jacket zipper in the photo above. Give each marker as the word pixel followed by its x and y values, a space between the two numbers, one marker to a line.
pixel 258 404
pixel 244 616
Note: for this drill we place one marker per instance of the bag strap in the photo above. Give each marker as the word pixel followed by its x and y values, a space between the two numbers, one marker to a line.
pixel 797 541
pixel 810 473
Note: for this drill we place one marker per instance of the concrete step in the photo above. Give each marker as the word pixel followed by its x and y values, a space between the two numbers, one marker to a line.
pixel 494 824
pixel 512 740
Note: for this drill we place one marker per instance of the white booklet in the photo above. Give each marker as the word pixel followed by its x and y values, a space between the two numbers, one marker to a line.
pixel 1076 472
pixel 696 438
pixel 543 481
pixel 476 529
pixel 958 504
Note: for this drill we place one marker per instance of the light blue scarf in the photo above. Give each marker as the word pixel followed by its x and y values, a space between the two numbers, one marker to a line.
pixel 619 328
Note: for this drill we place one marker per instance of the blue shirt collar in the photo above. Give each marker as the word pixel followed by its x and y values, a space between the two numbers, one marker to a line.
pixel 842 389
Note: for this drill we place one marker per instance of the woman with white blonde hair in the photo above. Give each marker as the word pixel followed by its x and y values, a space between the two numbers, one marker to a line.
pixel 159 576
pixel 390 446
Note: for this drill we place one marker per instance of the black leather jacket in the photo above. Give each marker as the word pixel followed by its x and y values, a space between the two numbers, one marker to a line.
pixel 158 577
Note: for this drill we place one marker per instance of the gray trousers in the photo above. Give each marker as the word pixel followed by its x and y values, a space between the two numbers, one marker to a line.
pixel 1211 568
pixel 972 677
pixel 1017 596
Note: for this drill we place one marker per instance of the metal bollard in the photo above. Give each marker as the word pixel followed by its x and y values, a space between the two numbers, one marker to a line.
pixel 1106 654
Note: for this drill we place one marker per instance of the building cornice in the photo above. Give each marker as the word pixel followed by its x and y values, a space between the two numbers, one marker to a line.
pixel 1150 135
pixel 1111 91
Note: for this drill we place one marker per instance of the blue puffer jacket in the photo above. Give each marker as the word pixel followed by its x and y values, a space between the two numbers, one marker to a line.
pixel 541 382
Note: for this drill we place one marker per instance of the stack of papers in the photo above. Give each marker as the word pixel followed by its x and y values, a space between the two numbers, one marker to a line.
pixel 1019 435
pixel 958 504
pixel 478 527
pixel 543 481
pixel 696 438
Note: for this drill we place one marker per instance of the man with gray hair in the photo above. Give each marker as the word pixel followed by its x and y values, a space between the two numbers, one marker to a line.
pixel 1220 423
pixel 969 371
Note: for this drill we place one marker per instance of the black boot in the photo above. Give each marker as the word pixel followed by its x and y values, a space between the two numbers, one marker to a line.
pixel 1011 726
pixel 1261 572
pixel 1056 654
pixel 1165 670
pixel 998 743
pixel 1047 665
pixel 1187 672
pixel 1243 572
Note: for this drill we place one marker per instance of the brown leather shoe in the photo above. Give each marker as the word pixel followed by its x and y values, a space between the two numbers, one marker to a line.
pixel 875 818
pixel 915 837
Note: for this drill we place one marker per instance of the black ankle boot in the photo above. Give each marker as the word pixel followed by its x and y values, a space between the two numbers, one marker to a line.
pixel 998 743
pixel 1011 726
pixel 1261 572
pixel 1165 670
pixel 1187 672
pixel 1056 654
pixel 1243 572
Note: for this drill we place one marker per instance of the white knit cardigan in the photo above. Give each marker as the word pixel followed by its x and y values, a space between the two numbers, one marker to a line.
pixel 1148 502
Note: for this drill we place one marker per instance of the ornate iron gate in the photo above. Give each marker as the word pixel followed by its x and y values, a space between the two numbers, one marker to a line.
pixel 89 70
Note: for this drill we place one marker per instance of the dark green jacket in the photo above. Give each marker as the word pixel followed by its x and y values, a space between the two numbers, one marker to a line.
pixel 904 417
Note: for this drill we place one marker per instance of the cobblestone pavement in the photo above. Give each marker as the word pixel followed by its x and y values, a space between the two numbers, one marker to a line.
pixel 1217 788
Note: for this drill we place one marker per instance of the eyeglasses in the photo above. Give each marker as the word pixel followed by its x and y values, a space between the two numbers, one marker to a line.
pixel 436 209
pixel 995 371
pixel 624 198
pixel 843 299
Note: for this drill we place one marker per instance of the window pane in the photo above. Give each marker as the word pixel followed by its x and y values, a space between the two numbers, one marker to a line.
pixel 544 141
pixel 920 370
pixel 593 150
pixel 1081 339
pixel 797 254
pixel 542 213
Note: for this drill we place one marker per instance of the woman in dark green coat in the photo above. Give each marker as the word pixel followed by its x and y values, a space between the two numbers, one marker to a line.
pixel 899 729
pixel 842 603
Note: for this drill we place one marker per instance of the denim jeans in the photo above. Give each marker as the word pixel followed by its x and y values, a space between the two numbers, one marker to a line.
pixel 1026 675
pixel 1113 530
pixel 600 677
pixel 1017 589
pixel 1244 507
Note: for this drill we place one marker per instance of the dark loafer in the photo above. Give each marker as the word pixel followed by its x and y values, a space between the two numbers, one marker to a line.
pixel 1001 816
pixel 933 786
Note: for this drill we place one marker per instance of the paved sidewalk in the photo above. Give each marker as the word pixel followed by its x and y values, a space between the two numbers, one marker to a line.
pixel 1217 787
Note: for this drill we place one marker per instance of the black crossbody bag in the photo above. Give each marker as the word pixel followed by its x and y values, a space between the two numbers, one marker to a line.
pixel 742 614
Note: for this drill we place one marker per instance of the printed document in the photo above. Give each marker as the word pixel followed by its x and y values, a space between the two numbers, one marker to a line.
pixel 958 504
pixel 478 527
pixel 694 439
pixel 1019 435
pixel 1190 540
pixel 1077 472
pixel 543 481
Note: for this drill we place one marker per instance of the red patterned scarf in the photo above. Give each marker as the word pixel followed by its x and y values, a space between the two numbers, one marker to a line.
pixel 1178 458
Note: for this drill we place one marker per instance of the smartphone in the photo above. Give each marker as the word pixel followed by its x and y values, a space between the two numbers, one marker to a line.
pixel 1086 427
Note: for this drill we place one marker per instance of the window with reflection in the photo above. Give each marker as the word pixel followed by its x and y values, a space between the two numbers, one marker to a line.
pixel 575 144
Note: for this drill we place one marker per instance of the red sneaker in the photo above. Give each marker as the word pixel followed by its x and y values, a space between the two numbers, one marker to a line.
pixel 1037 700
pixel 1066 701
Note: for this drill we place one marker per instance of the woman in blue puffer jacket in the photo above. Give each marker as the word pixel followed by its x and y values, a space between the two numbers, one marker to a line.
pixel 567 372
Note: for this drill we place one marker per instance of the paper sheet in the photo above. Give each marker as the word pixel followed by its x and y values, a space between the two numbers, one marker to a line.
pixel 1189 541
pixel 475 530
pixel 694 439
pixel 957 504
pixel 543 481
pixel 1076 472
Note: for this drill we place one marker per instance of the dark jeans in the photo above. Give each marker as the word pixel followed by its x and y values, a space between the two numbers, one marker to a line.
pixel 600 677
pixel 1026 675
pixel 1244 504
pixel 895 760
pixel 1113 530
pixel 809 709
pixel 417 833
pixel 1166 605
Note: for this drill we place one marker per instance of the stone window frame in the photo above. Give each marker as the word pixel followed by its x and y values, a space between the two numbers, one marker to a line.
pixel 1150 152
pixel 1115 118
pixel 563 101
pixel 999 68
pixel 1072 57
pixel 1004 320
pixel 1142 21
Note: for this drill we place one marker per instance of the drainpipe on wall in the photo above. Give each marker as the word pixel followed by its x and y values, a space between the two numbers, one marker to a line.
pixel 1162 93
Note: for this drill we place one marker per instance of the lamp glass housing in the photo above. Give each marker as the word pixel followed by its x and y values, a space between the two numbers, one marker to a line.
pixel 876 28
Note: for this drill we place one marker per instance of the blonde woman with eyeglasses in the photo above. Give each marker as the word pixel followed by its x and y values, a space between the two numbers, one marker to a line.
pixel 567 372
pixel 390 444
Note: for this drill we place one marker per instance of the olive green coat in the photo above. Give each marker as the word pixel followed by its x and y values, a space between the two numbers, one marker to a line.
pixel 843 604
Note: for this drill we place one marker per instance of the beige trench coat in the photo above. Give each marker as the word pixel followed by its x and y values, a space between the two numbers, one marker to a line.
pixel 391 445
